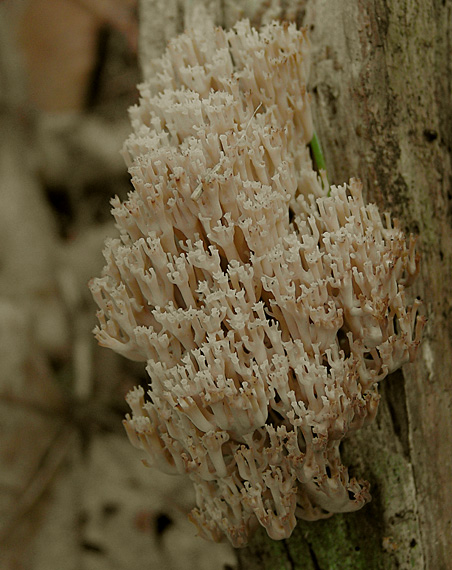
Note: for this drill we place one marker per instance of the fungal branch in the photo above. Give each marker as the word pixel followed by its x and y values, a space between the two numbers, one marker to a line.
pixel 208 177
pixel 266 304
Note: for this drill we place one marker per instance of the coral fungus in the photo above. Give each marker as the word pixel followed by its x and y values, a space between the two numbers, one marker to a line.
pixel 266 310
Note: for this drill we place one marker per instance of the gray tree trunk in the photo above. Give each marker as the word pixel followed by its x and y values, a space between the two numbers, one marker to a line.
pixel 381 85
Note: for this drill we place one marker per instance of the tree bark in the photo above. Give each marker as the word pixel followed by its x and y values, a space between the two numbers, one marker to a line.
pixel 381 86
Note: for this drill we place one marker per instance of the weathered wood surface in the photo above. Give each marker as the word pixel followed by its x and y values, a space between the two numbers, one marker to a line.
pixel 381 85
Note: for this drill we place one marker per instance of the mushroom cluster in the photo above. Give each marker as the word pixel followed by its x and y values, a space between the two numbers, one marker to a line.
pixel 266 305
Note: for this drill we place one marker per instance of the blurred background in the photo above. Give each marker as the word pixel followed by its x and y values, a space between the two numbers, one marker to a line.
pixel 73 491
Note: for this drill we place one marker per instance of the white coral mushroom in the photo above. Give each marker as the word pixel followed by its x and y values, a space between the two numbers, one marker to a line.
pixel 266 311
